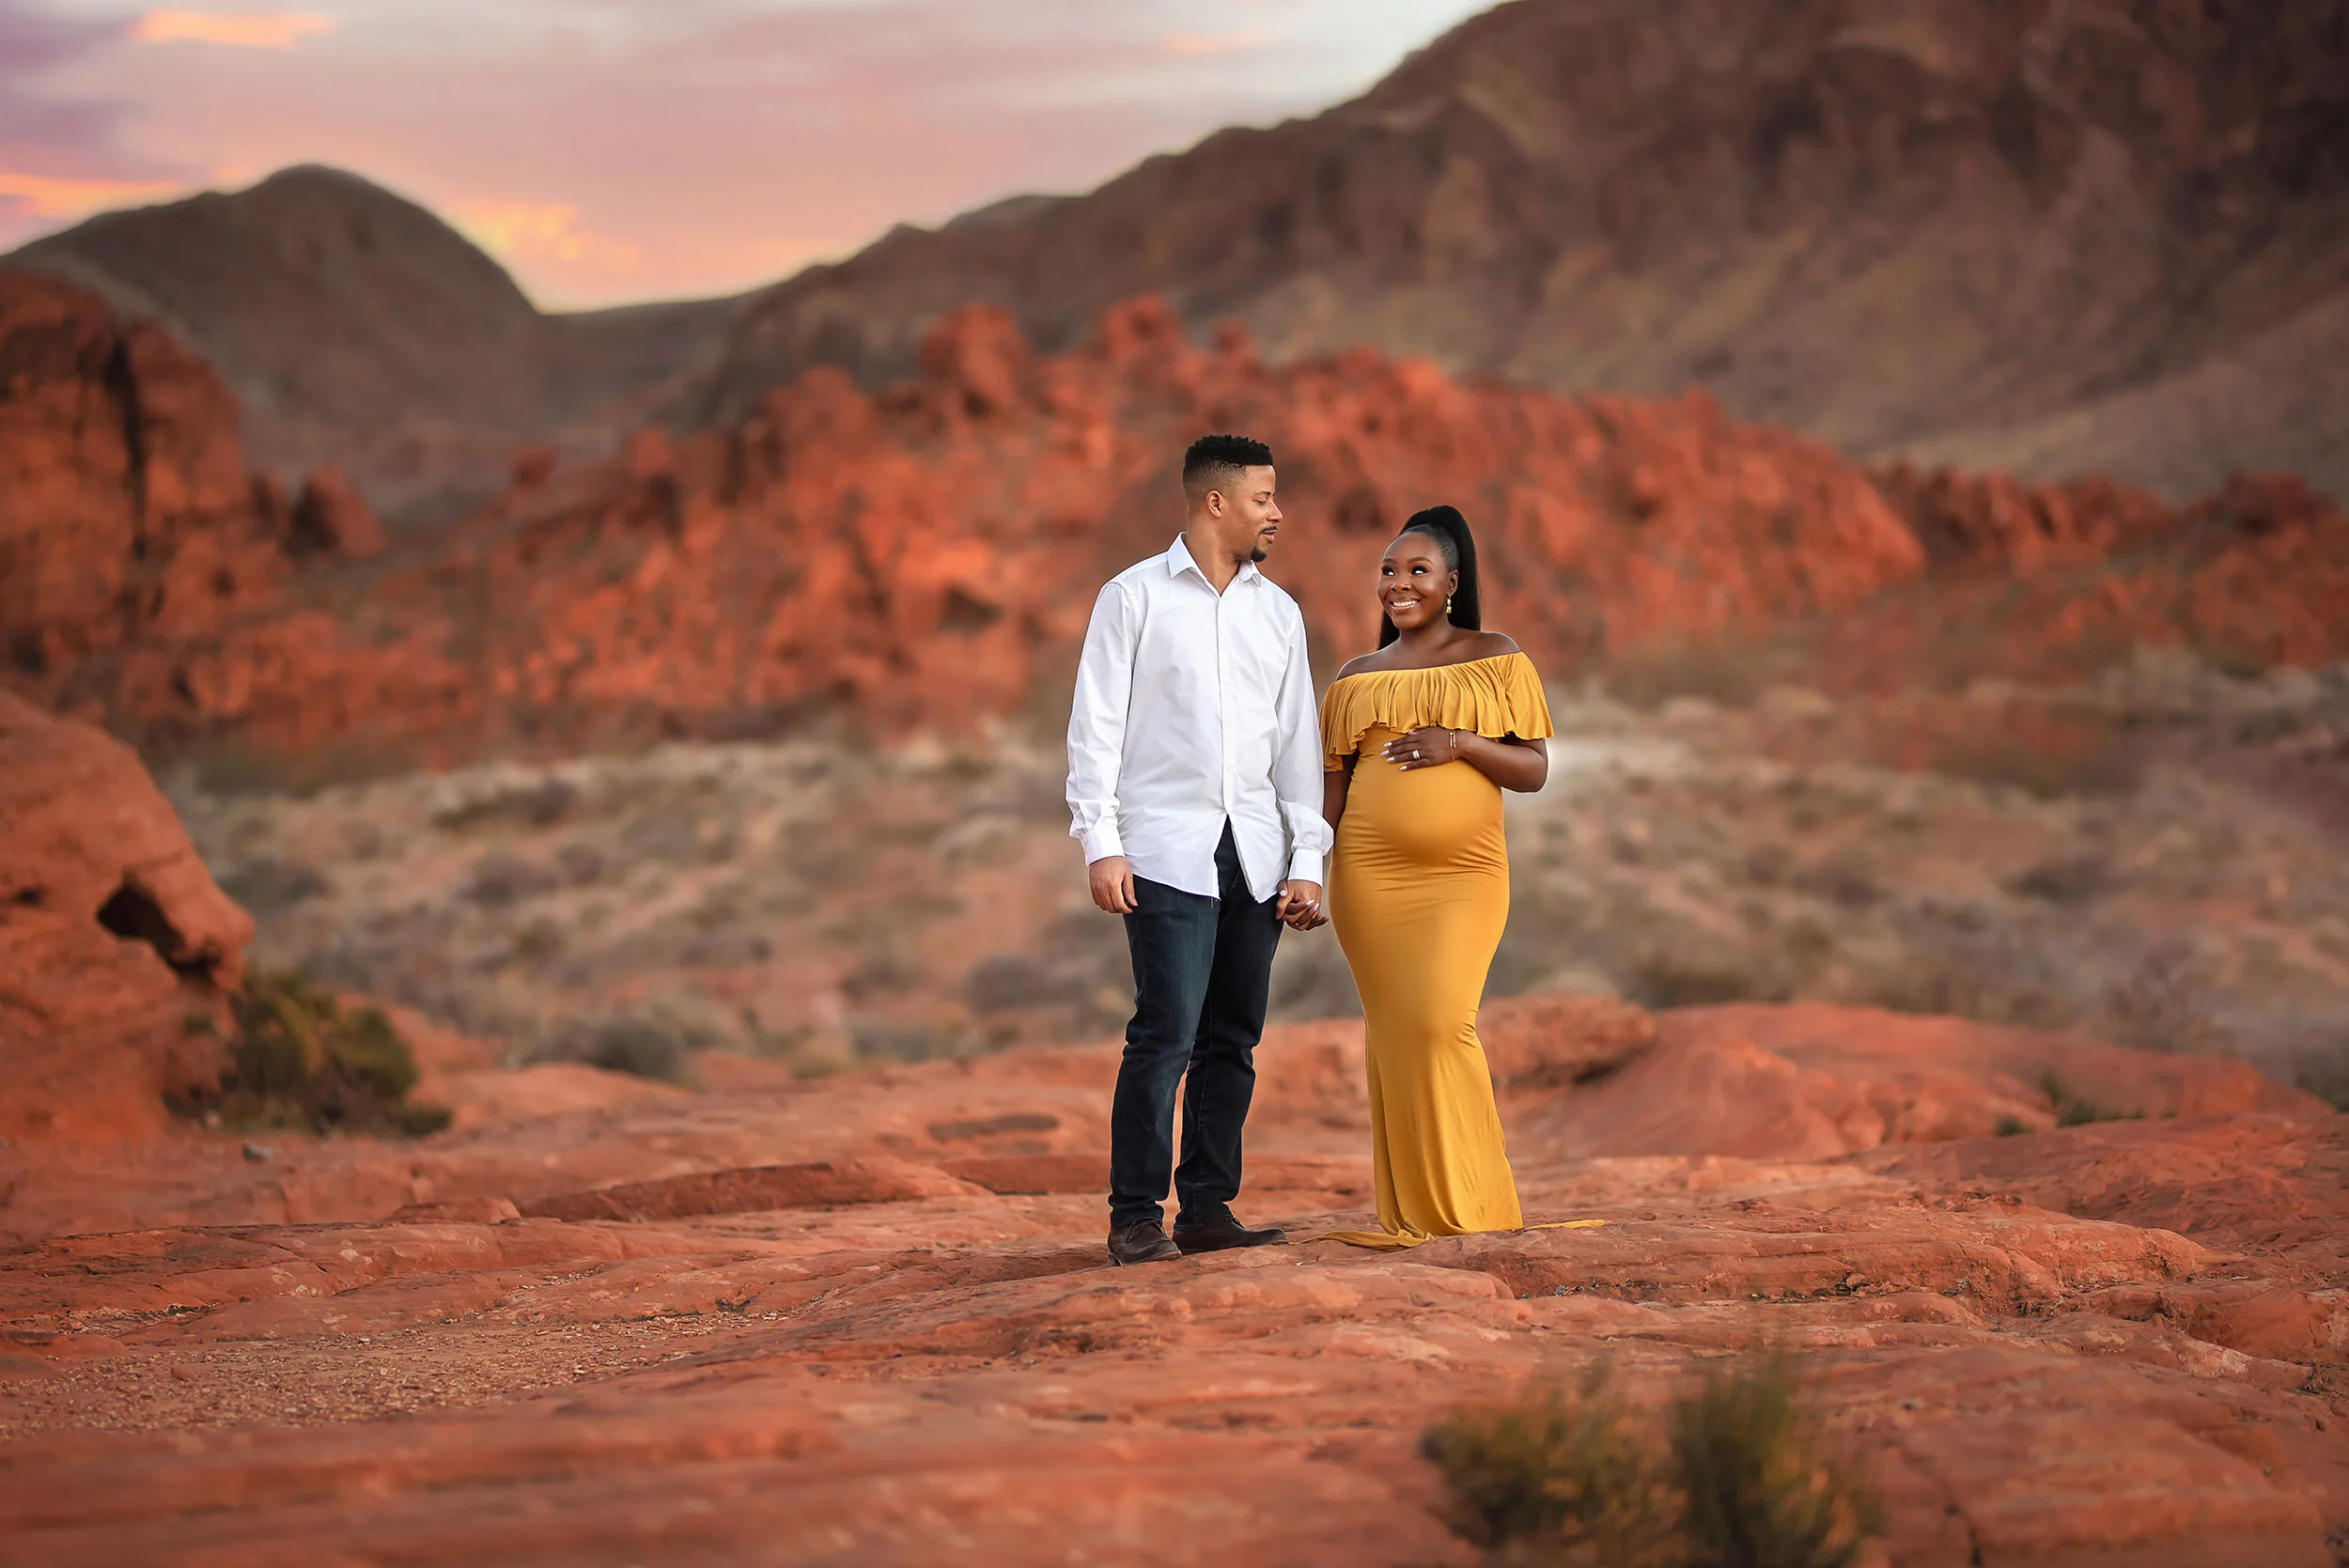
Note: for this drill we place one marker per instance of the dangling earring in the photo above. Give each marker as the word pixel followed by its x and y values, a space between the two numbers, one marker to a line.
pixel 1447 607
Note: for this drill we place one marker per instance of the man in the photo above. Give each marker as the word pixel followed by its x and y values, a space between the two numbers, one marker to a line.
pixel 1194 781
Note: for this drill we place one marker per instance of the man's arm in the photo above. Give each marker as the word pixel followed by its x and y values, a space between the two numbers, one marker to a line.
pixel 1296 782
pixel 1097 746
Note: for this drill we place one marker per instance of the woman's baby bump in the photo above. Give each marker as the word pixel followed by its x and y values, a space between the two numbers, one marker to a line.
pixel 1431 815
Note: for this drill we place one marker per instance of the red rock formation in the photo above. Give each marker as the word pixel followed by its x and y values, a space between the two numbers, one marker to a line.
pixel 331 517
pixel 919 554
pixel 130 519
pixel 2040 582
pixel 116 950
pixel 922 555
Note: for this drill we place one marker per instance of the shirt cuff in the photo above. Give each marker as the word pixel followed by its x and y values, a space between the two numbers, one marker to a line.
pixel 1305 866
pixel 1101 842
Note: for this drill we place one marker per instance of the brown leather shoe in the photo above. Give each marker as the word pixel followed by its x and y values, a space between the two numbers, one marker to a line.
pixel 1216 1235
pixel 1142 1242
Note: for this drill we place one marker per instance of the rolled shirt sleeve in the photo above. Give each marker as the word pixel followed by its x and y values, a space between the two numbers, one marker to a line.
pixel 1096 724
pixel 1297 772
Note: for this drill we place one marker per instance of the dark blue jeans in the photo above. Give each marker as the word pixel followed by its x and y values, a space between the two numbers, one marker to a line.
pixel 1203 967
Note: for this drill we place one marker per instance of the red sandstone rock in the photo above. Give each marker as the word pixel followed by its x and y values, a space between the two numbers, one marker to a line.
pixel 1548 1041
pixel 2035 582
pixel 946 535
pixel 330 518
pixel 129 517
pixel 116 950
pixel 1811 1081
pixel 2047 1347
pixel 765 1187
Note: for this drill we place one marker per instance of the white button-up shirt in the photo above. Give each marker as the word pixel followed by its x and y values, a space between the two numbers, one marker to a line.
pixel 1195 708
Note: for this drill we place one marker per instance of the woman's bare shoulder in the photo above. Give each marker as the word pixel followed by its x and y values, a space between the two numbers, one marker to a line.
pixel 1362 665
pixel 1493 645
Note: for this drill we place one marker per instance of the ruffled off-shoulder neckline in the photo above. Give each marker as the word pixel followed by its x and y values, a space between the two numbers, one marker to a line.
pixel 1498 695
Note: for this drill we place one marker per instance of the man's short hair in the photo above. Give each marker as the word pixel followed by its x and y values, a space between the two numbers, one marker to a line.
pixel 1214 462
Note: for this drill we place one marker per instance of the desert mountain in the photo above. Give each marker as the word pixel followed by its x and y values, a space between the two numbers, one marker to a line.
pixel 2109 235
pixel 2049 240
pixel 358 331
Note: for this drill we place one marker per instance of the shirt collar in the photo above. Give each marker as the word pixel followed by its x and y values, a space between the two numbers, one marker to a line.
pixel 1179 560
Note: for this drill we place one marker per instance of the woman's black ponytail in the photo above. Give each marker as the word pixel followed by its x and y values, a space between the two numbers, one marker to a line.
pixel 1450 530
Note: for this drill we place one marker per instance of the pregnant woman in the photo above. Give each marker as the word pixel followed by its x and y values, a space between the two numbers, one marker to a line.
pixel 1423 737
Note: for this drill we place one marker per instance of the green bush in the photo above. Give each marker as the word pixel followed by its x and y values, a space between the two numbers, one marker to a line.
pixel 299 1060
pixel 1560 1474
pixel 1761 1491
pixel 1564 1481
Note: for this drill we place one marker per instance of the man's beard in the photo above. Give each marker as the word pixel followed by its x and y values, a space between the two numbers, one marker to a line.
pixel 1258 554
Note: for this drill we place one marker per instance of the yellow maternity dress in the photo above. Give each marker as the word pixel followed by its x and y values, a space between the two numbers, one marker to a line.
pixel 1419 891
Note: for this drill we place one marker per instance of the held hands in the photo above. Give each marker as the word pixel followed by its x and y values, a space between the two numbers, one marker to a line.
pixel 1299 906
pixel 1113 884
pixel 1431 747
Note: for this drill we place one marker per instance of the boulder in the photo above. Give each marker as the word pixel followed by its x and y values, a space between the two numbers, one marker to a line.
pixel 117 951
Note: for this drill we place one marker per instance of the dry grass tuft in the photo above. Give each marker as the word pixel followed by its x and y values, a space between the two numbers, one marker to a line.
pixel 1745 1480
pixel 1762 1490
pixel 1558 1478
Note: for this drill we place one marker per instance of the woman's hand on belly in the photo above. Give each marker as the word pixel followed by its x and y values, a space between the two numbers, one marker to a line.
pixel 1431 747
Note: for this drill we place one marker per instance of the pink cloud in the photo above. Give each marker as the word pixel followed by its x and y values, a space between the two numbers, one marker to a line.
pixel 1200 45
pixel 46 197
pixel 611 150
pixel 236 29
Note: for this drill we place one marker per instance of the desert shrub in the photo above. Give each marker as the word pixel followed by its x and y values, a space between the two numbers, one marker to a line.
pixel 910 1040
pixel 2072 1111
pixel 1309 980
pixel 1006 980
pixel 2049 756
pixel 1745 1481
pixel 2163 1005
pixel 538 804
pixel 2326 1074
pixel 1560 1478
pixel 268 887
pixel 298 1059
pixel 1729 672
pixel 1762 1490
pixel 228 765
pixel 2010 1126
pixel 1078 968
pixel 2073 880
pixel 1662 983
pixel 1846 881
pixel 644 1045
pixel 1961 961
pixel 499 880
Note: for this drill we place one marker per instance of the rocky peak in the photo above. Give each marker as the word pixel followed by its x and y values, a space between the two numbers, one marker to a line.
pixel 2050 237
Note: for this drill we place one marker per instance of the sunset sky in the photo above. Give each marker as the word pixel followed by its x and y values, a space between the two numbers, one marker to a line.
pixel 612 150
